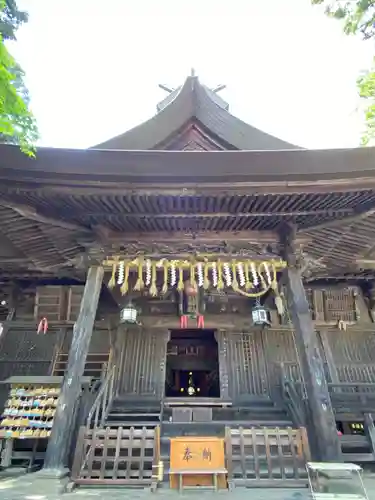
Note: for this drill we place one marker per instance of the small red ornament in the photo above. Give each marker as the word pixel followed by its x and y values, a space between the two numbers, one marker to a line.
pixel 200 321
pixel 43 326
pixel 183 321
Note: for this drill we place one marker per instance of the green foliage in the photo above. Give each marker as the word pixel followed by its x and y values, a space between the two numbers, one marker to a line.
pixel 17 124
pixel 358 17
pixel 11 19
pixel 366 87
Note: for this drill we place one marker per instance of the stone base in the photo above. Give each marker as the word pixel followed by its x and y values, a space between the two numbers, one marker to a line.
pixel 52 473
pixel 44 483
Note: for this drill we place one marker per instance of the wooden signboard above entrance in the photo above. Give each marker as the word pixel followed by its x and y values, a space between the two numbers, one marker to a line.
pixel 197 461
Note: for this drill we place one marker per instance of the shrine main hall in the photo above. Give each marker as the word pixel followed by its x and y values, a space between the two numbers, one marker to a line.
pixel 193 277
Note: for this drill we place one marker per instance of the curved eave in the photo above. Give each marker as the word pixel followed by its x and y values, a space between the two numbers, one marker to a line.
pixel 194 103
pixel 290 170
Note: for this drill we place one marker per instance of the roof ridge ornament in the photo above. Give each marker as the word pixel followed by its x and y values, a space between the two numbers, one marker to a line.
pixel 166 88
pixel 218 88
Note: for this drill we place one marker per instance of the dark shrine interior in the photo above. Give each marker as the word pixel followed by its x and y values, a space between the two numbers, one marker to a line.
pixel 192 368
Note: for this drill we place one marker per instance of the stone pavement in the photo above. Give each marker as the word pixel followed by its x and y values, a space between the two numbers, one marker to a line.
pixel 25 487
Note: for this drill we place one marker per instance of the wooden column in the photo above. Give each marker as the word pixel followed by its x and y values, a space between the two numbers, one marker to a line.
pixel 222 344
pixel 370 431
pixel 322 421
pixel 57 450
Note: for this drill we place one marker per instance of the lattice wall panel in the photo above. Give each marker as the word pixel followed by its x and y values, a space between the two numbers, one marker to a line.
pixel 339 305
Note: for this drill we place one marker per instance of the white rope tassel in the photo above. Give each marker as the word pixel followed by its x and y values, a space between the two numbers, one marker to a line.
pixel 148 272
pixel 227 275
pixel 214 274
pixel 200 274
pixel 121 273
pixel 241 274
pixel 254 274
pixel 173 274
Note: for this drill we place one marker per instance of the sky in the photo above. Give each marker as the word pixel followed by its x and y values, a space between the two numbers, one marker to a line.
pixel 93 66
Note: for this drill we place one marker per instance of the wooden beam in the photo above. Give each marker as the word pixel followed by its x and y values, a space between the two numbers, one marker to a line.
pixel 90 186
pixel 32 214
pixel 211 321
pixel 58 444
pixel 108 236
pixel 365 263
pixel 209 215
pixel 322 425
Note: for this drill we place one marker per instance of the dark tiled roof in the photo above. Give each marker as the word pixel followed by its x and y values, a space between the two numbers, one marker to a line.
pixel 194 102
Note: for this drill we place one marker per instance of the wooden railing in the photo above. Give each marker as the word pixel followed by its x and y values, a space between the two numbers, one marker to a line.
pixel 294 397
pixel 356 372
pixel 115 457
pixel 99 411
pixel 267 457
pixel 361 389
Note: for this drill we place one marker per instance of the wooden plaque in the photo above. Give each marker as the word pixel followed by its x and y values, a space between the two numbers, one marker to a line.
pixel 197 453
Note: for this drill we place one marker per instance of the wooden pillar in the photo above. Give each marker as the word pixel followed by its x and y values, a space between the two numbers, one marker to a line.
pixel 322 421
pixel 57 450
pixel 222 342
pixel 370 431
pixel 371 303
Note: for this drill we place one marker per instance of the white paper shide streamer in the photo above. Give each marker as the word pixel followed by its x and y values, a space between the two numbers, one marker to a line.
pixel 173 274
pixel 121 273
pixel 214 274
pixel 148 272
pixel 241 274
pixel 254 274
pixel 200 274
pixel 227 275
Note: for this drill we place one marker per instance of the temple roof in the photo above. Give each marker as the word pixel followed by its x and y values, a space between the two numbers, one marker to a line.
pixel 68 205
pixel 65 208
pixel 195 104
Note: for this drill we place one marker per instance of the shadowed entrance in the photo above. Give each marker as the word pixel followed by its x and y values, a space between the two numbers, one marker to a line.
pixel 192 364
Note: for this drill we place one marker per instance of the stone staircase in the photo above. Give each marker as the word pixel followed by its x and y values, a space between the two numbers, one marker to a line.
pixel 128 413
pixel 259 413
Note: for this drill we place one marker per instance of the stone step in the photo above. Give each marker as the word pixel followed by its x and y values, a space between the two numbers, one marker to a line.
pixel 134 416
pixel 120 411
pixel 231 423
pixel 127 424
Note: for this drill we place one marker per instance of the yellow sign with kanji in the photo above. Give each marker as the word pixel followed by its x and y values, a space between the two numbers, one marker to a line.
pixel 197 453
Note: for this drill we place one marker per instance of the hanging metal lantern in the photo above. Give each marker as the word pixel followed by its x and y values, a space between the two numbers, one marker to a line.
pixel 128 314
pixel 260 315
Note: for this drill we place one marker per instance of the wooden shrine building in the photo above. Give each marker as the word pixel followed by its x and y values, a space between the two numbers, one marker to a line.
pixel 204 274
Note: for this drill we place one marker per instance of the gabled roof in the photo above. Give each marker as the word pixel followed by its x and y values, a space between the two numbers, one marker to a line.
pixel 196 104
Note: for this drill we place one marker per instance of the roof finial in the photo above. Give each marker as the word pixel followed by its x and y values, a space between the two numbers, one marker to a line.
pixel 192 72
pixel 219 88
pixel 166 88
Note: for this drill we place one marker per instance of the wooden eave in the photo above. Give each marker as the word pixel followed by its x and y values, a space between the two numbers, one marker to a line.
pixel 68 205
pixel 193 103
pixel 232 171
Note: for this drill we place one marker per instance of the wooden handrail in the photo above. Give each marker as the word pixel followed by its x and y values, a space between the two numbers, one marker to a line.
pixel 103 401
pixel 295 402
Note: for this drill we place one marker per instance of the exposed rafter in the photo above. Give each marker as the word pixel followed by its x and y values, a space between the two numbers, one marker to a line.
pixel 31 214
pixel 339 222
